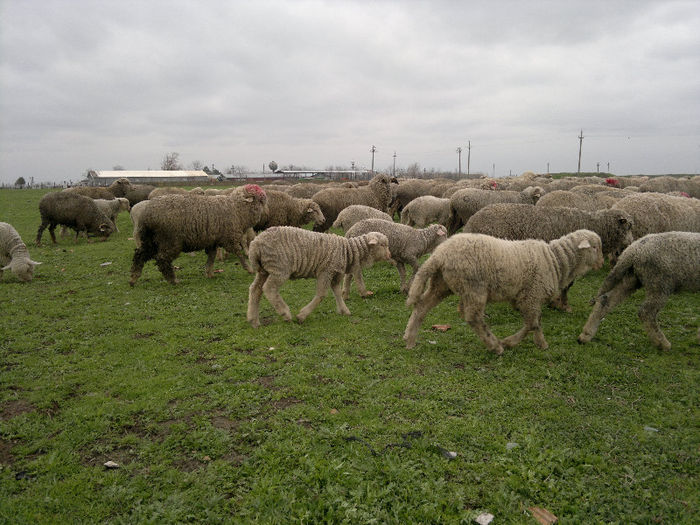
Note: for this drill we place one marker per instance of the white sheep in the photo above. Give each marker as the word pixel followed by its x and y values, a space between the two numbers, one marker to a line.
pixel 482 269
pixel 406 244
pixel 661 263
pixel 425 210
pixel 14 255
pixel 656 213
pixel 357 212
pixel 284 252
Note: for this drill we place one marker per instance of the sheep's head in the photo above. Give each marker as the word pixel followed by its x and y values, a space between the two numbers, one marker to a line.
pixel 23 269
pixel 120 187
pixel 313 213
pixel 379 246
pixel 255 192
pixel 590 250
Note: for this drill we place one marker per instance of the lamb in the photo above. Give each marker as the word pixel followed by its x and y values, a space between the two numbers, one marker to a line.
pixel 75 211
pixel 14 254
pixel 357 212
pixel 663 264
pixel 425 210
pixel 119 188
pixel 406 245
pixel 482 269
pixel 285 252
pixel 376 194
pixel 283 210
pixel 466 202
pixel 656 213
pixel 175 223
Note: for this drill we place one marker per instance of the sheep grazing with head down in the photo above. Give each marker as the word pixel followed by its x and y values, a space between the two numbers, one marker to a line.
pixel 75 211
pixel 14 255
pixel 110 208
pixel 377 194
pixel 172 224
pixel 284 252
pixel 661 263
pixel 356 213
pixel 406 244
pixel 425 210
pixel 284 210
pixel 482 269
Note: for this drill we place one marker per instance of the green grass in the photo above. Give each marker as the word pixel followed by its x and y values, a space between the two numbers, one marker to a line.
pixel 331 421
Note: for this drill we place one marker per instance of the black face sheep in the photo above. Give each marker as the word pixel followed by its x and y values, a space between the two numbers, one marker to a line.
pixel 14 255
pixel 656 213
pixel 425 210
pixel 465 203
pixel 406 245
pixel 284 210
pixel 119 188
pixel 482 269
pixel 284 252
pixel 661 263
pixel 357 212
pixel 172 224
pixel 75 211
pixel 376 194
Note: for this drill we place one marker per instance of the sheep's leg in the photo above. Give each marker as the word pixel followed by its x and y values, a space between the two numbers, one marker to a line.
pixel 654 300
pixel 472 307
pixel 360 283
pixel 255 291
pixel 532 315
pixel 605 304
pixel 209 266
pixel 402 275
pixel 140 258
pixel 435 293
pixel 340 305
pixel 322 283
pixel 64 231
pixel 562 302
pixel 39 232
pixel 406 285
pixel 165 265
pixel 271 288
pixel 52 228
pixel 347 281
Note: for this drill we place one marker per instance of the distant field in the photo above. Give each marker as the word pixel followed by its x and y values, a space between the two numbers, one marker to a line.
pixel 332 421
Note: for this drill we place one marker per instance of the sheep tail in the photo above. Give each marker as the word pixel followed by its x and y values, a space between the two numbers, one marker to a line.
pixel 427 270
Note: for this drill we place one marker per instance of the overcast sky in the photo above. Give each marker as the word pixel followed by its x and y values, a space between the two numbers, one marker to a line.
pixel 93 84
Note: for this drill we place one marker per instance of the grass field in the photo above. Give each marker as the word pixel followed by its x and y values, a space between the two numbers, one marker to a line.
pixel 332 421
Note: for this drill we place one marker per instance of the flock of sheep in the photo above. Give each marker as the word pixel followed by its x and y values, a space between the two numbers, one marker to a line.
pixel 524 240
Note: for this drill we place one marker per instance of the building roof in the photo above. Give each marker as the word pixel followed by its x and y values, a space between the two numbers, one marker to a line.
pixel 146 174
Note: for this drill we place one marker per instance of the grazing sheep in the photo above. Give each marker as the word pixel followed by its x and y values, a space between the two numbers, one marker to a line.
pixel 410 189
pixel 666 184
pixel 406 245
pixel 175 223
pixel 14 254
pixel 377 194
pixel 285 252
pixel 138 193
pixel 110 208
pixel 216 191
pixel 661 263
pixel 568 183
pixel 656 213
pixel 305 190
pixel 466 202
pixel 75 211
pixel 119 188
pixel 583 201
pixel 284 210
pixel 357 212
pixel 425 210
pixel 482 269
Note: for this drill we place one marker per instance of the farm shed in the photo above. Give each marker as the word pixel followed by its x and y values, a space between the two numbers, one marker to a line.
pixel 105 178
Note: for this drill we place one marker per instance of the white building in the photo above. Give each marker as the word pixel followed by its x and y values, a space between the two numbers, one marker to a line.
pixel 188 177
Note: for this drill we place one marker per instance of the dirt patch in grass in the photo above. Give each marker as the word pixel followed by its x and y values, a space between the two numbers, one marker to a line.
pixel 224 423
pixel 285 402
pixel 14 408
pixel 267 382
pixel 6 457
pixel 121 456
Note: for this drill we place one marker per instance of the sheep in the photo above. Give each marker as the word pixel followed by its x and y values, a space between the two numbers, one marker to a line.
pixel 285 252
pixel 110 208
pixel 283 210
pixel 667 184
pixel 661 263
pixel 138 193
pixel 426 209
pixel 136 213
pixel 174 190
pixel 174 223
pixel 305 190
pixel 482 269
pixel 75 211
pixel 406 245
pixel 568 183
pixel 656 213
pixel 410 189
pixel 466 202
pixel 119 188
pixel 14 254
pixel 216 191
pixel 377 194
pixel 583 201
pixel 357 212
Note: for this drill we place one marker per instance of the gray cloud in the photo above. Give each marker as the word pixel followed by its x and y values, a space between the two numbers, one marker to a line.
pixel 94 84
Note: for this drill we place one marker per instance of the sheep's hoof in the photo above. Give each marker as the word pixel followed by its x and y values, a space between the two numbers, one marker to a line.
pixel 255 323
pixel 368 293
pixel 498 350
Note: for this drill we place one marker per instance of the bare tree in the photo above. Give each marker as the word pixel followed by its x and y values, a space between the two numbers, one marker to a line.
pixel 414 170
pixel 171 162
pixel 196 165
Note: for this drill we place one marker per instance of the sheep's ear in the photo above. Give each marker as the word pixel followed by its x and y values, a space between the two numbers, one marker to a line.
pixel 34 263
pixel 584 244
pixel 310 210
pixel 441 232
pixel 372 241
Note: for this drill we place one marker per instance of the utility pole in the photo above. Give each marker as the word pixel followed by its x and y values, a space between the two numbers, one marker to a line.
pixel 372 150
pixel 548 168
pixel 580 144
pixel 393 174
pixel 469 155
pixel 597 167
pixel 459 156
pixel 608 167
